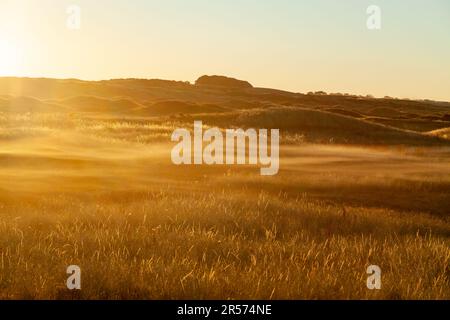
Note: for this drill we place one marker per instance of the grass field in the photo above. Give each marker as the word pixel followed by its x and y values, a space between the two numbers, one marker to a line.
pixel 86 179
pixel 104 195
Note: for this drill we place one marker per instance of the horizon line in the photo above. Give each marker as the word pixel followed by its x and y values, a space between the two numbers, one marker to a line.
pixel 310 92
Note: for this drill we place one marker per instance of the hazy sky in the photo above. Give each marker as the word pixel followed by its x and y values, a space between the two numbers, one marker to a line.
pixel 287 44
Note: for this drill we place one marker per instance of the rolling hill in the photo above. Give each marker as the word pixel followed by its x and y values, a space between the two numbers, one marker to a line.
pixel 228 102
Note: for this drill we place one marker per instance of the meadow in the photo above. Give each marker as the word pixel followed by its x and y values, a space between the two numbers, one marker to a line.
pixel 98 190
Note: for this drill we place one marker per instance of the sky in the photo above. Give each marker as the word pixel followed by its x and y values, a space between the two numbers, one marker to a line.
pixel 295 45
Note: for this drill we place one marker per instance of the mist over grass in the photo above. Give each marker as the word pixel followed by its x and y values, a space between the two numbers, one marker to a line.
pixel 361 182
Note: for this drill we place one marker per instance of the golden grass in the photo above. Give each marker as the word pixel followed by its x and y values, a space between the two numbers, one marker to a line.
pixel 89 192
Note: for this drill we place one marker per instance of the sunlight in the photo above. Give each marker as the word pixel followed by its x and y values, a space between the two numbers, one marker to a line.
pixel 9 59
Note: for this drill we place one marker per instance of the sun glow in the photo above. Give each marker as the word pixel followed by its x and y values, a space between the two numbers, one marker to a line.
pixel 9 58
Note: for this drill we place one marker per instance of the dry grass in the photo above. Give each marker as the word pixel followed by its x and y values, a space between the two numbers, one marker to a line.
pixel 163 244
pixel 102 194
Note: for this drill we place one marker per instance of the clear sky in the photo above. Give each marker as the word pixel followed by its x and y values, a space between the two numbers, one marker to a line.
pixel 296 45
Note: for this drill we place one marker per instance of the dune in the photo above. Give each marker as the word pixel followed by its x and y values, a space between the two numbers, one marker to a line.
pixel 418 125
pixel 164 108
pixel 23 104
pixel 229 103
pixel 141 90
pixel 385 112
pixel 321 126
pixel 97 104
pixel 344 112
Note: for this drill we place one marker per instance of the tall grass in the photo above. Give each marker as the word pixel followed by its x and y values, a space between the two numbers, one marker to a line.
pixel 141 228
pixel 166 244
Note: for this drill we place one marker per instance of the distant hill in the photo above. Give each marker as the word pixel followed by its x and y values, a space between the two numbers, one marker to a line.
pixel 96 104
pixel 210 90
pixel 320 126
pixel 163 108
pixel 229 102
pixel 29 105
pixel 221 81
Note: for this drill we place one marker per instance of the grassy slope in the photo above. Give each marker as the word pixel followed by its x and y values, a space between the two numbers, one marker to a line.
pixel 99 190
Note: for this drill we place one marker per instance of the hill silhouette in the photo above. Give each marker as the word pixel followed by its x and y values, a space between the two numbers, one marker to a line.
pixel 221 81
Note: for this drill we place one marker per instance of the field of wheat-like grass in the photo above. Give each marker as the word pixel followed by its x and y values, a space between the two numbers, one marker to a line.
pixel 103 194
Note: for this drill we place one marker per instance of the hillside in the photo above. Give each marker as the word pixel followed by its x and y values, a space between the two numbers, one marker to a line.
pixel 229 102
